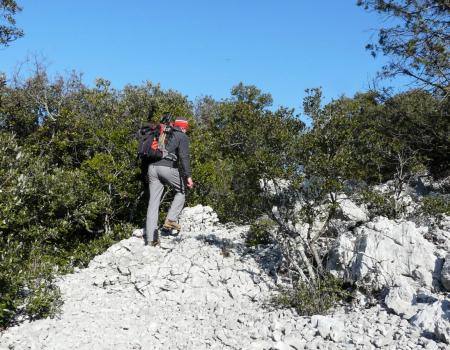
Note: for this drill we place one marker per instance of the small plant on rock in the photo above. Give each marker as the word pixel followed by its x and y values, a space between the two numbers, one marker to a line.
pixel 436 206
pixel 260 232
pixel 310 300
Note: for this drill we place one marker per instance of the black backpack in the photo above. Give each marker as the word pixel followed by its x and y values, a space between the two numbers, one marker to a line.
pixel 148 147
pixel 152 142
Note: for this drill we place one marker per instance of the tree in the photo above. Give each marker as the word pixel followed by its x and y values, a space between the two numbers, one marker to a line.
pixel 417 42
pixel 239 143
pixel 352 144
pixel 8 30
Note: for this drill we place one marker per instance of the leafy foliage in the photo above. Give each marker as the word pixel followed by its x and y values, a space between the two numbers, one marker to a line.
pixel 317 300
pixel 379 204
pixel 260 232
pixel 417 41
pixel 8 30
pixel 436 206
pixel 238 143
pixel 352 145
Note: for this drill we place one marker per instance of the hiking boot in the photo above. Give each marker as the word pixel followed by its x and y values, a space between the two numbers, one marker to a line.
pixel 172 225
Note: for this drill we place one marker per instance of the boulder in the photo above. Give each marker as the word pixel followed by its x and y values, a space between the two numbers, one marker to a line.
pixel 434 320
pixel 381 252
pixel 197 218
pixel 401 300
pixel 351 211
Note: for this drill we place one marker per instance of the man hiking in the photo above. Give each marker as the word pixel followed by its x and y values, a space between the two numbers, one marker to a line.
pixel 173 170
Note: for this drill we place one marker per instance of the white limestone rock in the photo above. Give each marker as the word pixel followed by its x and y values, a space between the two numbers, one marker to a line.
pixel 382 252
pixel 351 211
pixel 279 345
pixel 342 255
pixel 273 187
pixel 434 319
pixel 442 237
pixel 401 299
pixel 187 295
pixel 197 218
pixel 138 232
pixel 295 342
pixel 329 328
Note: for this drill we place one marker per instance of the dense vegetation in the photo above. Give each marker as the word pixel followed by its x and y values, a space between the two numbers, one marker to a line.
pixel 70 181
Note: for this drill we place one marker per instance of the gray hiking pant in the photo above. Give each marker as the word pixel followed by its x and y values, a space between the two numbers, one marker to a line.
pixel 158 176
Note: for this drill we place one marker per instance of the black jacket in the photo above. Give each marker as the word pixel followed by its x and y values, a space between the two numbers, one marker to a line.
pixel 178 144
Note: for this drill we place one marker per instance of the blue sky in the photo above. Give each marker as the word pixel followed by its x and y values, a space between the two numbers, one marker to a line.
pixel 202 47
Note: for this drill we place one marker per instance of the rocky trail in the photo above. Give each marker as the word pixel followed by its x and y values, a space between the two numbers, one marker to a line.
pixel 202 289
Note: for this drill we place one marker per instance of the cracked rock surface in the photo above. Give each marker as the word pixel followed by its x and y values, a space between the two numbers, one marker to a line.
pixel 201 289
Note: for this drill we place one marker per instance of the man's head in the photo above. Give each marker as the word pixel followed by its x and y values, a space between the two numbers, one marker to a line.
pixel 181 123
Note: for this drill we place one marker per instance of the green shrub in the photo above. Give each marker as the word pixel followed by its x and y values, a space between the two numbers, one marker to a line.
pixel 436 206
pixel 83 253
pixel 44 301
pixel 310 300
pixel 27 283
pixel 236 144
pixel 379 204
pixel 27 277
pixel 260 232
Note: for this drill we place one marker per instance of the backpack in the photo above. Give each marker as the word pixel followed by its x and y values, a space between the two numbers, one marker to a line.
pixel 152 142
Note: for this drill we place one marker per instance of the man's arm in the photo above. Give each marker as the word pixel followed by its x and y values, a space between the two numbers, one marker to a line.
pixel 184 156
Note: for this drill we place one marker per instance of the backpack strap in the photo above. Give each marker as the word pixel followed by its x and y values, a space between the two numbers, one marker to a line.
pixel 171 156
pixel 167 131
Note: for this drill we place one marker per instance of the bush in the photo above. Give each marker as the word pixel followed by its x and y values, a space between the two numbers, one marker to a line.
pixel 379 204
pixel 436 206
pixel 27 283
pixel 260 232
pixel 44 301
pixel 308 300
pixel 83 253
pixel 238 142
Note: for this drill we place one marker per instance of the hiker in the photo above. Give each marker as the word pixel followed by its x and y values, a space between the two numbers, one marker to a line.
pixel 173 170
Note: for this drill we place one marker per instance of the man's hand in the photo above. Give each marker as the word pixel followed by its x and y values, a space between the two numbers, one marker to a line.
pixel 190 183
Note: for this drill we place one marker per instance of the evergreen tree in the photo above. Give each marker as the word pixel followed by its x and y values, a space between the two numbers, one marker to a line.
pixel 8 30
pixel 417 41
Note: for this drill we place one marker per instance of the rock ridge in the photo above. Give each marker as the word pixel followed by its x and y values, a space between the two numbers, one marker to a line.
pixel 201 289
